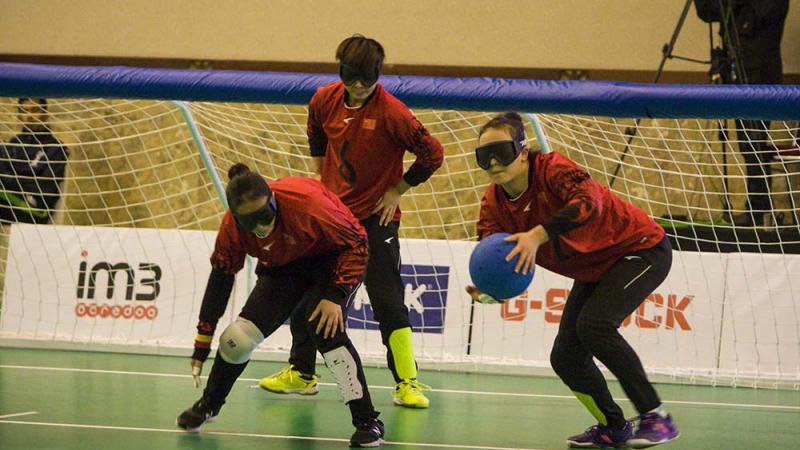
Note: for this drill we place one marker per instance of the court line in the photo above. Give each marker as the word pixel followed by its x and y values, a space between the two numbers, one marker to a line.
pixel 446 391
pixel 255 435
pixel 28 413
pixel 570 397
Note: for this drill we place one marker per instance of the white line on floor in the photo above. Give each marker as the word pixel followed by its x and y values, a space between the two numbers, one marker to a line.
pixel 28 413
pixel 444 391
pixel 255 435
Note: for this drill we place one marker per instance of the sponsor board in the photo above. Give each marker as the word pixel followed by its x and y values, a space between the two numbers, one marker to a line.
pixel 736 313
pixel 424 294
pixel 106 285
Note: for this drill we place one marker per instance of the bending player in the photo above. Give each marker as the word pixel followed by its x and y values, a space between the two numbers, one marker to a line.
pixel 568 223
pixel 312 252
pixel 358 134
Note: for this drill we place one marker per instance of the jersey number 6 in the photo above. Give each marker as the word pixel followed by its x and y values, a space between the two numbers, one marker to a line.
pixel 346 170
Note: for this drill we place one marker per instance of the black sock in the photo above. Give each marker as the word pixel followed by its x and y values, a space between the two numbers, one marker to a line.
pixel 307 377
pixel 362 410
pixel 220 381
pixel 618 425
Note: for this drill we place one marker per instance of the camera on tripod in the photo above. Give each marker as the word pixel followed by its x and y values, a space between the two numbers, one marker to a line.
pixel 722 68
pixel 734 17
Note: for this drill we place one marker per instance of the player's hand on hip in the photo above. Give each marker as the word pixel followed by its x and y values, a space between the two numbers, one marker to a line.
pixel 480 297
pixel 197 369
pixel 388 204
pixel 331 318
pixel 527 245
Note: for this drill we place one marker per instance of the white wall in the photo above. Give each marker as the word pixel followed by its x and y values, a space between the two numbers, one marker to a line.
pixel 593 34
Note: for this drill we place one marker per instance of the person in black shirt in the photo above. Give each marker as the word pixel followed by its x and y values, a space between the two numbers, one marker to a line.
pixel 32 166
pixel 752 29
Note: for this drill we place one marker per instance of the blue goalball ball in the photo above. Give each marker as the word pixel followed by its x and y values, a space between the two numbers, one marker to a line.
pixel 492 274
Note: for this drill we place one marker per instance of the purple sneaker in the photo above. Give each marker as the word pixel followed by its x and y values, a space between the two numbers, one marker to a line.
pixel 654 430
pixel 601 436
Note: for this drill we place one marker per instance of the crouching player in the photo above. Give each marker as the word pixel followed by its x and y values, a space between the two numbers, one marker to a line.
pixel 568 223
pixel 311 252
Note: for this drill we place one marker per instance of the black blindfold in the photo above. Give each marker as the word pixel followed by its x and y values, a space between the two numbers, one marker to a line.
pixel 505 152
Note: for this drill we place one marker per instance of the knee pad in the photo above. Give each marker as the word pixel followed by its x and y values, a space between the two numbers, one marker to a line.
pixel 344 369
pixel 239 340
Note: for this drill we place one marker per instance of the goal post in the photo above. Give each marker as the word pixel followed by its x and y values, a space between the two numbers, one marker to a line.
pixel 124 261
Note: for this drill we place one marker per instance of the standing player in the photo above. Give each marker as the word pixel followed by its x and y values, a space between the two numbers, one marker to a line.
pixel 311 252
pixel 358 134
pixel 568 223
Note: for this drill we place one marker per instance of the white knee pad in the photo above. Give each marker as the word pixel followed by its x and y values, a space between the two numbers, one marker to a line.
pixel 345 371
pixel 239 340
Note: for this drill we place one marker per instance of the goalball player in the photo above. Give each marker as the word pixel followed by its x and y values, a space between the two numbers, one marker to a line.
pixel 358 134
pixel 564 221
pixel 311 252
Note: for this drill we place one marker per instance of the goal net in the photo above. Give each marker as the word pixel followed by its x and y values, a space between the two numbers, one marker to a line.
pixel 116 255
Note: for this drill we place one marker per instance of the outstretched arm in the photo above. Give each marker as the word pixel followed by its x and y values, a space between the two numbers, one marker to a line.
pixel 226 261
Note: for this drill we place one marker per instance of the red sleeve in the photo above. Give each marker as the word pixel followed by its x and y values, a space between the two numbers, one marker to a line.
pixel 317 139
pixel 408 131
pixel 228 253
pixel 340 228
pixel 573 186
pixel 487 225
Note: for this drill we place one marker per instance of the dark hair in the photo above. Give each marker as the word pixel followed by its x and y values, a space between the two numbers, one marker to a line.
pixel 41 101
pixel 244 185
pixel 236 170
pixel 510 121
pixel 361 52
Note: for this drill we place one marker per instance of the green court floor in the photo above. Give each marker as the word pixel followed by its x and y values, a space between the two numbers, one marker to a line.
pixel 81 400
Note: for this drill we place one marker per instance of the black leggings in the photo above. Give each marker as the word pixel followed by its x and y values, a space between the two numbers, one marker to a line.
pixel 278 292
pixel 386 295
pixel 589 328
pixel 297 286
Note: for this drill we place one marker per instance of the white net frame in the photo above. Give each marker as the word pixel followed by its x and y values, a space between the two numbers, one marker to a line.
pixel 134 166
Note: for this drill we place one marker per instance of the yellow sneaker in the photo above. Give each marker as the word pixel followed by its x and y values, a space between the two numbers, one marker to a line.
pixel 408 393
pixel 289 381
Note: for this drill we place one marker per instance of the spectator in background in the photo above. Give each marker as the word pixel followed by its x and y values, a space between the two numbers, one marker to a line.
pixel 752 31
pixel 32 166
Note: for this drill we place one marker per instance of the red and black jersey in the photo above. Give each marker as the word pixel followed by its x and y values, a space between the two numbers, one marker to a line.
pixel 311 221
pixel 363 147
pixel 590 228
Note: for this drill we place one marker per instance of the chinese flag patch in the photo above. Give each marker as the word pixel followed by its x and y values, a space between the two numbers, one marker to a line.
pixel 368 124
